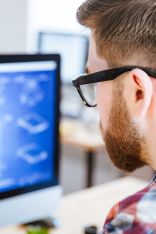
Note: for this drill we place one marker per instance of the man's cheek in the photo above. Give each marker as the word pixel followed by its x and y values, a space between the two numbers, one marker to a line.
pixel 103 118
pixel 104 95
pixel 103 113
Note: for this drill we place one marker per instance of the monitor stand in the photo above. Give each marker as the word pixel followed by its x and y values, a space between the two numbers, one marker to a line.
pixel 48 222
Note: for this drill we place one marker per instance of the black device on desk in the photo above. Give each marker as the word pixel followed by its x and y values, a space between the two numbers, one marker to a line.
pixel 29 137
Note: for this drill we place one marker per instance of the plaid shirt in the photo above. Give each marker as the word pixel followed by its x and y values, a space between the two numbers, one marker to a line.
pixel 135 214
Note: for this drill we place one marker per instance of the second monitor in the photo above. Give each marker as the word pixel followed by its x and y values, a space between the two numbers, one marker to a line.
pixel 73 49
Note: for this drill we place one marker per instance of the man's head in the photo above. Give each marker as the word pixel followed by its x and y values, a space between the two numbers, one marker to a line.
pixel 124 33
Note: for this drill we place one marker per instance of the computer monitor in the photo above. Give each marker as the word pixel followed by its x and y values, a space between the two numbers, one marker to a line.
pixel 29 137
pixel 73 49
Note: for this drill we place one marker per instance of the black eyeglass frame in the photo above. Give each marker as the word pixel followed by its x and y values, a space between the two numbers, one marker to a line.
pixel 106 75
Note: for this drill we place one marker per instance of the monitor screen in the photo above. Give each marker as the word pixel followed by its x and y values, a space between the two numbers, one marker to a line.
pixel 72 48
pixel 28 125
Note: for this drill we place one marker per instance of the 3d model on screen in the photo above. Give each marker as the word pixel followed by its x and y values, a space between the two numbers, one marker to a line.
pixel 33 123
pixel 32 153
pixel 31 93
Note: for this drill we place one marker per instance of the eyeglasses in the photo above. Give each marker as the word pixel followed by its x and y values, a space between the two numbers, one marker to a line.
pixel 86 83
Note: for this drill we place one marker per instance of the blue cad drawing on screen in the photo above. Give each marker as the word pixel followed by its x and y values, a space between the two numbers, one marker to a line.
pixel 27 98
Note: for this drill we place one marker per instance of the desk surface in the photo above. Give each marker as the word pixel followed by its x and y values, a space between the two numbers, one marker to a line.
pixel 78 134
pixel 90 206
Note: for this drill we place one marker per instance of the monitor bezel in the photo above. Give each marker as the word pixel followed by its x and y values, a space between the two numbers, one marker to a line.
pixel 85 37
pixel 14 58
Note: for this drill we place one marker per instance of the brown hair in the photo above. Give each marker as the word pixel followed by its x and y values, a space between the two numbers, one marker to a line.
pixel 124 30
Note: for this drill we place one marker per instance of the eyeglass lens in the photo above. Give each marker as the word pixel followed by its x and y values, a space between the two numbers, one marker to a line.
pixel 89 93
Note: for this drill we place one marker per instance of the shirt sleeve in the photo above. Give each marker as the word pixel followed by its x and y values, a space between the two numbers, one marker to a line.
pixel 135 214
pixel 118 223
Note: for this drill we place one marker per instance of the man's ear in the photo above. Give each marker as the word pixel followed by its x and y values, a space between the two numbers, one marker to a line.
pixel 139 92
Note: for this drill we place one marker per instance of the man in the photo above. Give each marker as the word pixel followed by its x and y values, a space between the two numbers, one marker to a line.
pixel 122 67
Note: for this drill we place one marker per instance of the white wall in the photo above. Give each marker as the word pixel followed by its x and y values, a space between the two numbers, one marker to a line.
pixel 21 20
pixel 13 26
pixel 57 15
